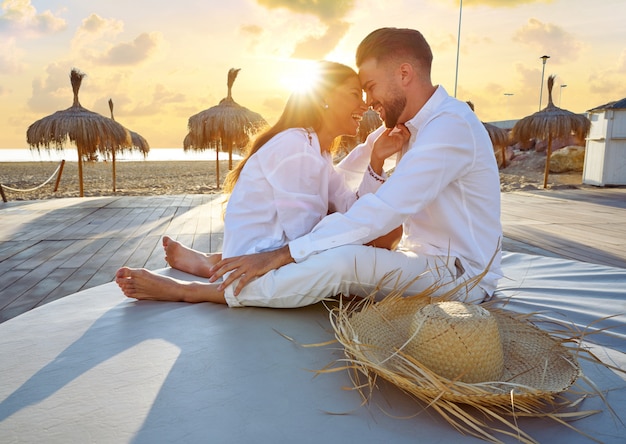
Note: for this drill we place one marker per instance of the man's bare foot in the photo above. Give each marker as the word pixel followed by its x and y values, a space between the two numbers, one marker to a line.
pixel 187 259
pixel 140 283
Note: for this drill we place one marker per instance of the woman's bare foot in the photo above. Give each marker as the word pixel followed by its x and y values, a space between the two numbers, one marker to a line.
pixel 187 259
pixel 140 283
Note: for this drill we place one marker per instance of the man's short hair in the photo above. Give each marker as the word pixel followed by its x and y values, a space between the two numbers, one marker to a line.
pixel 387 43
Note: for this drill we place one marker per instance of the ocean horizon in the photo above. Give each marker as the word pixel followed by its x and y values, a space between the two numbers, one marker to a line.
pixel 71 155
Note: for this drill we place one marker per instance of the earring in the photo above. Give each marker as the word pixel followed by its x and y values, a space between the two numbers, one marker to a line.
pixel 325 105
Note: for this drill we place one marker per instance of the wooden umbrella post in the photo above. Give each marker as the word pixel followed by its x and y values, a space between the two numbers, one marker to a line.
pixel 547 169
pixel 230 155
pixel 113 159
pixel 80 169
pixel 217 165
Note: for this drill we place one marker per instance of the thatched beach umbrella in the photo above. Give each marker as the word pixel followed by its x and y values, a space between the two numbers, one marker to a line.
pixel 91 132
pixel 187 145
pixel 136 142
pixel 551 123
pixel 224 127
pixel 370 121
pixel 499 136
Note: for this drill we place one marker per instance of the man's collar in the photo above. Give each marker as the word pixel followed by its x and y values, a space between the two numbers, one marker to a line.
pixel 426 111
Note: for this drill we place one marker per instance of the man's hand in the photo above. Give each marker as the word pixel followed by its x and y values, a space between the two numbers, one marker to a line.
pixel 247 267
pixel 388 142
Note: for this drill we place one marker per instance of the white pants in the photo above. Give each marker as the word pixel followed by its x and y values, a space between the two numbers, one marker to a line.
pixel 356 270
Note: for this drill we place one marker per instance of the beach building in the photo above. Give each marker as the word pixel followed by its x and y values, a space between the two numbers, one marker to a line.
pixel 605 157
pixel 505 124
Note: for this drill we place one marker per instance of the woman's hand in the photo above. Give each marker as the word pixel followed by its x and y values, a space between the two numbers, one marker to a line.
pixel 388 142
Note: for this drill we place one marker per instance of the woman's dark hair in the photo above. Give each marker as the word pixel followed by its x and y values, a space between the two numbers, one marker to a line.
pixel 303 110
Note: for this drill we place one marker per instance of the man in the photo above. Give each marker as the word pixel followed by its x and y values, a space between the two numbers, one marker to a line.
pixel 444 191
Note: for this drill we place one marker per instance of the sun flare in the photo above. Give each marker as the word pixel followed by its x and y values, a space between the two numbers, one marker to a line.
pixel 300 77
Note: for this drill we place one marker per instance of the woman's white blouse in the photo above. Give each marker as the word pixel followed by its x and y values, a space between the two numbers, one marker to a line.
pixel 283 191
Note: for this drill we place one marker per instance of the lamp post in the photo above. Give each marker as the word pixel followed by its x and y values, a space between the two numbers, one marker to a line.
pixel 561 93
pixel 508 101
pixel 543 70
pixel 458 47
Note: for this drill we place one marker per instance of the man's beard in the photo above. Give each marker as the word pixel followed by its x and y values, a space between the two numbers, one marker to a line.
pixel 393 110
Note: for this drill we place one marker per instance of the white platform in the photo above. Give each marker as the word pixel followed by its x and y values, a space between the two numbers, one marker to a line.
pixel 98 367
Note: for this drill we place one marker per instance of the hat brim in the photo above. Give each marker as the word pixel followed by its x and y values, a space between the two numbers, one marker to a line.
pixel 537 366
pixel 535 363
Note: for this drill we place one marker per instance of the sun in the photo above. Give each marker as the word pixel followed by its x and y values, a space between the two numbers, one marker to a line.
pixel 299 76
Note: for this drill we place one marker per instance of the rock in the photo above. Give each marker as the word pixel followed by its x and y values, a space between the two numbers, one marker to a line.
pixel 569 158
pixel 558 143
pixel 524 146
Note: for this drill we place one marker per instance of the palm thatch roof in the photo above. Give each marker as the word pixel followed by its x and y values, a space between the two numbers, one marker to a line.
pixel 136 142
pixel 370 121
pixel 550 123
pixel 499 137
pixel 139 143
pixel 226 127
pixel 91 132
pixel 187 145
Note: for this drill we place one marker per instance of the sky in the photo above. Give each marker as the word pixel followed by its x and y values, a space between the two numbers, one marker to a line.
pixel 164 61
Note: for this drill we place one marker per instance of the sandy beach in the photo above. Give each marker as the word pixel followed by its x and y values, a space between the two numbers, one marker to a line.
pixel 198 177
pixel 139 178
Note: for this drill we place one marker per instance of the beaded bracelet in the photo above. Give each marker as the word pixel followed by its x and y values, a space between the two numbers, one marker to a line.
pixel 374 175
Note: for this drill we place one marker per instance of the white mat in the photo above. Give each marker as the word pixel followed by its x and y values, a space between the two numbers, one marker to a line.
pixel 97 367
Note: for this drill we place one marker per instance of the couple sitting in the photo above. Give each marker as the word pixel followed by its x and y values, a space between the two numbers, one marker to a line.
pixel 296 233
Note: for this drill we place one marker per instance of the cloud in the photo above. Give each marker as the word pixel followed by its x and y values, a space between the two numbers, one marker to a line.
pixel 498 3
pixel 132 53
pixel 621 62
pixel 607 83
pixel 443 43
pixel 96 33
pixel 10 57
pixel 316 48
pixel 161 97
pixel 253 30
pixel 52 91
pixel 95 27
pixel 19 16
pixel 610 81
pixel 327 11
pixel 254 33
pixel 549 39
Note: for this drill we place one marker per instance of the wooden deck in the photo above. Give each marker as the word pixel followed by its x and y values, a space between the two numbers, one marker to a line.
pixel 52 248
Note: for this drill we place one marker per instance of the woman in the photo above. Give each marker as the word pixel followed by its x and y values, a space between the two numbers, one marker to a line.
pixel 285 185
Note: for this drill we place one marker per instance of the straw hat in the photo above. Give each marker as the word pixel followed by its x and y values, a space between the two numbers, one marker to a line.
pixel 457 341
pixel 450 353
pixel 448 339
